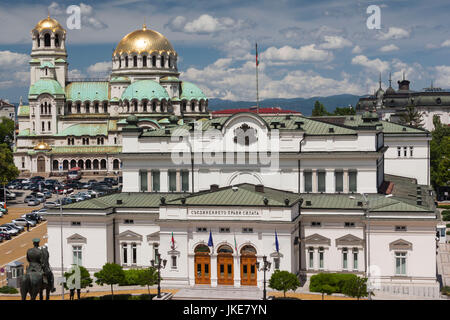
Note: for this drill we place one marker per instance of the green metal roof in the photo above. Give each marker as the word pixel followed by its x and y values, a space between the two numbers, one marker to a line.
pixel 87 91
pixel 26 133
pixel 85 129
pixel 60 60
pixel 145 89
pixel 386 126
pixel 35 61
pixel 120 79
pixel 83 150
pixel 23 111
pixel 190 91
pixel 46 86
pixel 170 79
pixel 47 64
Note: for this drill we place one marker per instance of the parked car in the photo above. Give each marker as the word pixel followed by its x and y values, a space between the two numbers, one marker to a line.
pixel 1 214
pixel 112 181
pixel 13 225
pixel 26 186
pixel 23 222
pixel 33 202
pixel 33 217
pixel 28 198
pixel 51 204
pixel 9 230
pixel 47 194
pixel 5 236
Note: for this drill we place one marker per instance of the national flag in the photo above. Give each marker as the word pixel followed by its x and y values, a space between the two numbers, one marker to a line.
pixel 173 242
pixel 210 241
pixel 235 243
pixel 277 245
pixel 257 61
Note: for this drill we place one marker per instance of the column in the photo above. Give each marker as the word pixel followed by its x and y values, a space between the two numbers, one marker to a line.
pixel 213 270
pixel 52 41
pixel 345 180
pixel 140 106
pixel 237 270
pixel 149 181
pixel 329 181
pixel 178 176
pixel 314 180
pixel 164 181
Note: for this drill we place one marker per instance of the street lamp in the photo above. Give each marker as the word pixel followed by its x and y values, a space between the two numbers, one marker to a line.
pixel 264 267
pixel 158 266
pixel 62 250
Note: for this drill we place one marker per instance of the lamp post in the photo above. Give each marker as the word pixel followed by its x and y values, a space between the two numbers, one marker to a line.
pixel 264 267
pixel 366 209
pixel 157 264
pixel 62 247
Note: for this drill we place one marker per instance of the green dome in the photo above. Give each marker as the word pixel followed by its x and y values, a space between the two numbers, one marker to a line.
pixel 190 91
pixel 132 119
pixel 145 89
pixel 46 86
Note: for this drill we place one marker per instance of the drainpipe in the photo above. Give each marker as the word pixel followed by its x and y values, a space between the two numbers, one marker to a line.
pixel 114 239
pixel 299 161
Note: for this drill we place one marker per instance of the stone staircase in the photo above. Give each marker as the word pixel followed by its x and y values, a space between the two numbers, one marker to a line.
pixel 206 292
pixel 443 263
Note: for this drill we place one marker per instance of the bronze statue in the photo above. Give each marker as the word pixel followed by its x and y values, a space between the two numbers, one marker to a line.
pixel 39 275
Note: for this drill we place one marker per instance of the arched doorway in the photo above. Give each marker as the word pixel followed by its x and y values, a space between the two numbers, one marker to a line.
pixel 81 164
pixel 41 164
pixel 225 271
pixel 248 266
pixel 202 262
pixel 66 165
pixel 73 163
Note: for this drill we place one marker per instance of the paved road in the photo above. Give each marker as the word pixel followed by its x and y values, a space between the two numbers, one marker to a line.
pixel 16 248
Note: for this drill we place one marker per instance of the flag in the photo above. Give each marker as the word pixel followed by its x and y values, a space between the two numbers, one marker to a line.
pixel 257 61
pixel 277 246
pixel 235 243
pixel 210 241
pixel 173 242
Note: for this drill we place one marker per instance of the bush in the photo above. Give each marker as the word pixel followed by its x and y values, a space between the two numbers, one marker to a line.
pixel 121 297
pixel 330 282
pixel 448 225
pixel 355 288
pixel 131 277
pixel 444 206
pixel 446 290
pixel 284 281
pixel 8 290
pixel 448 232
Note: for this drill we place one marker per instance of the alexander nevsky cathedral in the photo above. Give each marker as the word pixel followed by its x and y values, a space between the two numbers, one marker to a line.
pixel 78 122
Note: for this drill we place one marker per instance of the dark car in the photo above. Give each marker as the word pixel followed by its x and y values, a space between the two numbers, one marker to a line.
pixel 112 181
pixel 33 216
pixel 5 235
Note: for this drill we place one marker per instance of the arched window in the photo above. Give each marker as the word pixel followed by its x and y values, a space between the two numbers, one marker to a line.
pixel 47 40
pixel 183 107
pixel 88 165
pixel 201 248
pixel 103 164
pixel 78 107
pixel 55 165
pixel 248 250
pixel 42 108
pixel 192 106
pixel 135 61
pixel 73 163
pixel 95 164
pixel 116 164
pixel 105 107
pixel 162 61
pixel 154 106
pixel 153 61
pixel 225 249
pixel 120 62
pixel 87 107
pixel 126 61
pixel 144 61
pixel 57 40
pixel 135 106
pixel 144 106
pixel 170 62
pixel 96 107
pixel 81 164
pixel 66 165
pixel 38 41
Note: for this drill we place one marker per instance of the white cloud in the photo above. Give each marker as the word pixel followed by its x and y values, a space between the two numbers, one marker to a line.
pixel 389 48
pixel 308 53
pixel 204 24
pixel 99 68
pixel 442 76
pixel 357 50
pixel 335 42
pixel 10 59
pixel 88 17
pixel 393 33
pixel 75 73
pixel 13 69
pixel 373 65
pixel 446 43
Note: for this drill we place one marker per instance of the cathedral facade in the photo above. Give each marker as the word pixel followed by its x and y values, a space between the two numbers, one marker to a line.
pixel 77 123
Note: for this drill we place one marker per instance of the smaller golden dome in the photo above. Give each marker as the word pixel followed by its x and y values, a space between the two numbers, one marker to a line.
pixel 42 146
pixel 49 24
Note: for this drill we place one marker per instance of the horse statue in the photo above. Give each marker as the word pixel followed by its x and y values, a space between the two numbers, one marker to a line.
pixel 38 276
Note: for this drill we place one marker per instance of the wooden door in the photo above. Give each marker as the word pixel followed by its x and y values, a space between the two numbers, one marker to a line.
pixel 202 269
pixel 248 270
pixel 225 272
pixel 41 165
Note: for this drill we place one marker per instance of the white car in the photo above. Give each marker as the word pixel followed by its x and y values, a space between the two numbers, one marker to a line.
pixel 9 231
pixel 23 222
pixel 51 204
pixel 1 214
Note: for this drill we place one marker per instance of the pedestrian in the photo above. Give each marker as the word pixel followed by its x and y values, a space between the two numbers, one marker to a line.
pixel 28 226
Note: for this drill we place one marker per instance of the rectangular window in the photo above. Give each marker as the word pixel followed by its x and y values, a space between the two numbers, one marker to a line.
pixel 355 258
pixel 349 224
pixel 352 174
pixel 224 230
pixel 172 181
pixel 76 223
pixel 404 151
pixel 311 258
pixel 185 181
pixel 174 262
pixel 399 151
pixel 276 263
pixel 400 263
pixel 125 253
pixel 201 229
pixel 321 252
pixel 400 228
pixel 155 181
pixel 247 230
pixel 316 224
pixel 76 250
pixel 49 126
pixel 411 149
pixel 321 181
pixel 345 258
pixel 144 181
pixel 128 221
pixel 339 177
pixel 308 181
pixel 134 253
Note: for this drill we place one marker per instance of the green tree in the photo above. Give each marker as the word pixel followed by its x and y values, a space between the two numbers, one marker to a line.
pixel 319 110
pixel 6 131
pixel 110 274
pixel 148 277
pixel 355 287
pixel 85 281
pixel 412 117
pixel 284 281
pixel 440 153
pixel 8 171
pixel 344 111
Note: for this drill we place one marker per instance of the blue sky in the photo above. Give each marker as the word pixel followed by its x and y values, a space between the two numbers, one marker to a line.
pixel 307 48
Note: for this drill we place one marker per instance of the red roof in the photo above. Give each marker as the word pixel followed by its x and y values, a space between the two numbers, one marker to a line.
pixel 273 110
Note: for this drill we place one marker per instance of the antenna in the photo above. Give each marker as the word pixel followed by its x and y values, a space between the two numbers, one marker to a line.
pixel 257 85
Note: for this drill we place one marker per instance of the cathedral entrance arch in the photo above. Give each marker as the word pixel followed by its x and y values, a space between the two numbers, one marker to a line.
pixel 202 261
pixel 225 271
pixel 248 266
pixel 40 164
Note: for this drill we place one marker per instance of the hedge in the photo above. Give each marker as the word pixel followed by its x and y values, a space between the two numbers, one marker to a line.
pixel 122 297
pixel 131 277
pixel 335 280
pixel 446 290
pixel 8 290
pixel 444 206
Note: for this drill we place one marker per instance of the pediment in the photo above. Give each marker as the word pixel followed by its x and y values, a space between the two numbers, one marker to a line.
pixel 129 235
pixel 153 236
pixel 76 238
pixel 317 239
pixel 400 244
pixel 349 240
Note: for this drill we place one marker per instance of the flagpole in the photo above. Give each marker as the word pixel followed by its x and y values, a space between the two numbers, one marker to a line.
pixel 257 86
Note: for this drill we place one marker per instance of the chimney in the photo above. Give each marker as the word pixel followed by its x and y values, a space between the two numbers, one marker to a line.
pixel 214 187
pixel 330 130
pixel 403 85
pixel 259 188
pixel 119 201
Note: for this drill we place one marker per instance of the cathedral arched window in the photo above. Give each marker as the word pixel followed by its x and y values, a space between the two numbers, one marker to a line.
pixel 96 107
pixel 120 62
pixel 78 108
pixel 154 106
pixel 105 107
pixel 87 107
pixel 135 106
pixel 38 41
pixel 154 61
pixel 57 40
pixel 183 106
pixel 170 63
pixel 126 61
pixel 162 61
pixel 42 108
pixel 135 61
pixel 144 61
pixel 47 40
pixel 144 106
pixel 192 106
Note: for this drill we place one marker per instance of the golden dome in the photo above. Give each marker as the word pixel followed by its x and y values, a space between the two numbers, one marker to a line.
pixel 42 146
pixel 144 40
pixel 49 23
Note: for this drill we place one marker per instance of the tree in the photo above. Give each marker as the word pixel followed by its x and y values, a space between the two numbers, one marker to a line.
pixel 110 274
pixel 8 171
pixel 85 277
pixel 319 110
pixel 344 111
pixel 148 277
pixel 412 117
pixel 440 153
pixel 355 287
pixel 283 281
pixel 6 131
